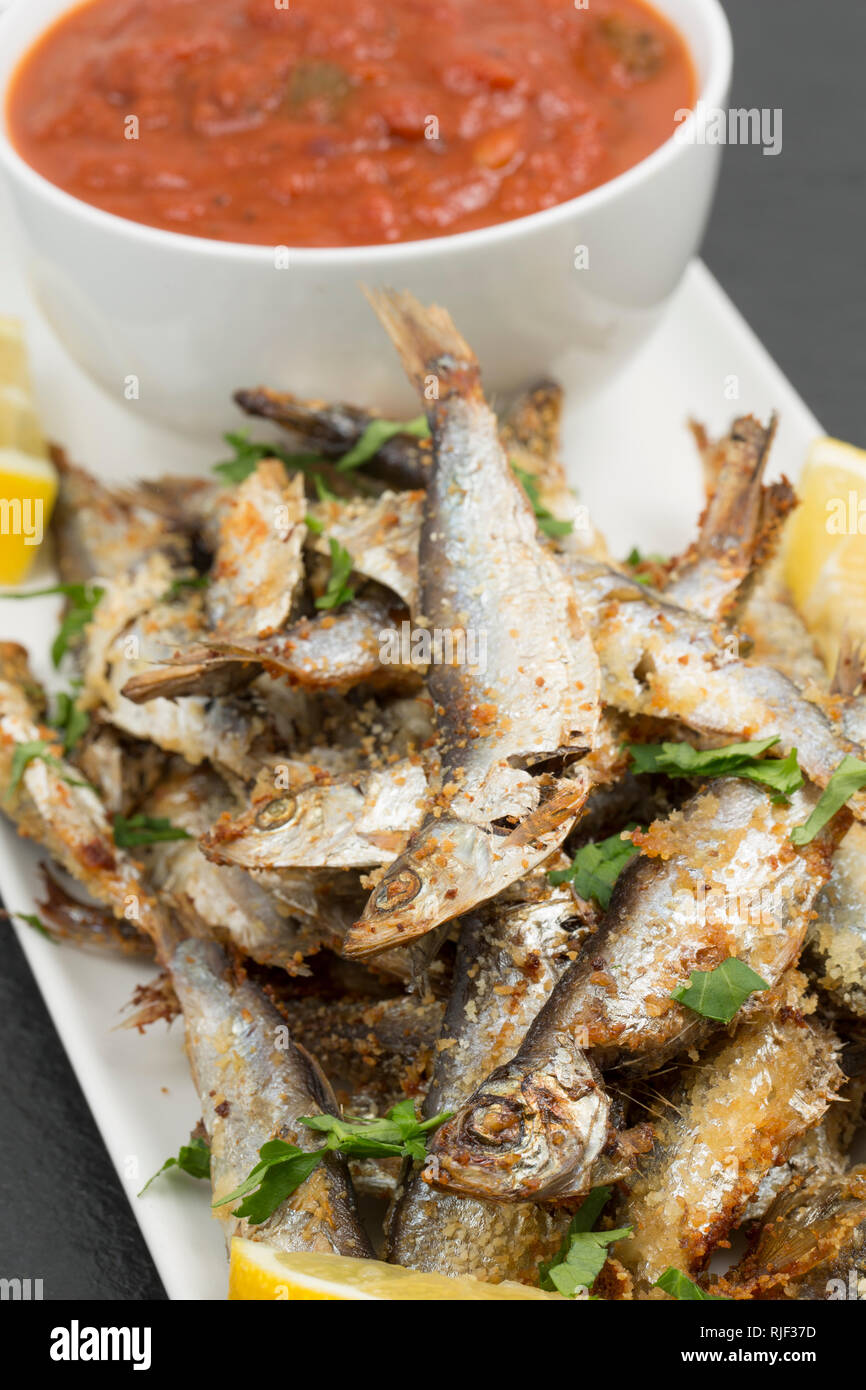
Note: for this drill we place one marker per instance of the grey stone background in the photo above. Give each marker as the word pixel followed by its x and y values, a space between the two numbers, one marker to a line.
pixel 788 241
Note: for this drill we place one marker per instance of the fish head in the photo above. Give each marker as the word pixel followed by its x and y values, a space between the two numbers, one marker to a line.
pixel 440 875
pixel 450 865
pixel 526 1135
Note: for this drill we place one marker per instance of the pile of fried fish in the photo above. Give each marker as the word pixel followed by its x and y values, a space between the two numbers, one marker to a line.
pixel 413 792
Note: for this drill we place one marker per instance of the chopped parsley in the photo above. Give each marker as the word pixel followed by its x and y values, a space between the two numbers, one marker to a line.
pixel 781 775
pixel 338 591
pixel 377 433
pixel 679 1286
pixel 283 1167
pixel 596 868
pixel 83 599
pixel 720 993
pixel 848 778
pixel 192 1158
pixel 69 721
pixel 248 453
pixel 145 830
pixel 24 754
pixel 547 522
pixel 581 1256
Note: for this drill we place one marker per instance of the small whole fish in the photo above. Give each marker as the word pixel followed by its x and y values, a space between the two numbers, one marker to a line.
pixel 483 570
pixel 662 661
pixel 254 1082
pixel 330 652
pixel 351 822
pixel 720 878
pixel 739 526
pixel 736 1114
pixel 509 956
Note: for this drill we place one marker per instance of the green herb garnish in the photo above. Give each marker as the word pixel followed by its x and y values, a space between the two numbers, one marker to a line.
pixel 848 778
pixel 69 721
pixel 581 1256
pixel 249 453
pixel 83 599
pixel 36 923
pixel 24 754
pixel 338 591
pixel 720 993
pixel 596 867
pixel 192 581
pixel 781 775
pixel 283 1167
pixel 377 433
pixel 547 522
pixel 146 830
pixel 323 492
pixel 192 1158
pixel 679 1286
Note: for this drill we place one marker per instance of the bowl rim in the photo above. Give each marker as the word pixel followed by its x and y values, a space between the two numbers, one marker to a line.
pixel 711 93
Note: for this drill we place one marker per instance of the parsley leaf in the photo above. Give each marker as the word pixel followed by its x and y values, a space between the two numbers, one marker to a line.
pixel 398 1135
pixel 377 433
pixel 780 775
pixel 580 1259
pixel 69 720
pixel 192 581
pixel 323 492
pixel 848 778
pixel 679 1286
pixel 248 453
pixel 24 754
pixel 83 599
pixel 36 923
pixel 338 591
pixel 596 868
pixel 547 522
pixel 282 1167
pixel 145 830
pixel 720 993
pixel 192 1158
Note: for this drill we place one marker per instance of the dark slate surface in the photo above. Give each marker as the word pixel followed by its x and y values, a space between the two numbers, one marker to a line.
pixel 787 242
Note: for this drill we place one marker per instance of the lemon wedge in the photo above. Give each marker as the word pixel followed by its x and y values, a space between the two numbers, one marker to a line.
pixel 28 481
pixel 260 1272
pixel 824 553
pixel 28 487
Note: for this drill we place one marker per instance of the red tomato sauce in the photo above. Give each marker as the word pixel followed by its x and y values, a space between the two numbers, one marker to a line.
pixel 344 122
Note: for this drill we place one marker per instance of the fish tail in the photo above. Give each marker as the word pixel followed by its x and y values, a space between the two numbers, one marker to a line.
pixel 438 360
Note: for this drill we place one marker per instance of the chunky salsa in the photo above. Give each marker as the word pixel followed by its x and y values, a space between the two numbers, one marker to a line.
pixel 344 122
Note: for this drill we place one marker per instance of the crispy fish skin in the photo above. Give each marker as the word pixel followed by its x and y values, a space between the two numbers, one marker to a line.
pixel 254 1084
pixel 660 660
pixel 836 947
pixel 100 532
pixel 52 806
pixel 380 534
pixel 484 570
pixel 330 652
pixel 724 880
pixel 355 821
pixel 258 567
pixel 812 1245
pixel 735 1116
pixel 225 902
pixel 509 956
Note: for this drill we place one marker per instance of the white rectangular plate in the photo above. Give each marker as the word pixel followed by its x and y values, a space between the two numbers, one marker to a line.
pixel 631 457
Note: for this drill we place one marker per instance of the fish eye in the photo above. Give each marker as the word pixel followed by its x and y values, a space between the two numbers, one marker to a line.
pixel 397 891
pixel 277 812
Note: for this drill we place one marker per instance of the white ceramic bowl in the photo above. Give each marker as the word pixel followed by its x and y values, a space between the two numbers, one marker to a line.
pixel 194 319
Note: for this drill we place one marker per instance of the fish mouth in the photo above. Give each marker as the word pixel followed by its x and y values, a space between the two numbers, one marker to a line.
pixel 523 1138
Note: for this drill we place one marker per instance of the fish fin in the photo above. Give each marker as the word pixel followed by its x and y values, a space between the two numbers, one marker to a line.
pixel 428 343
